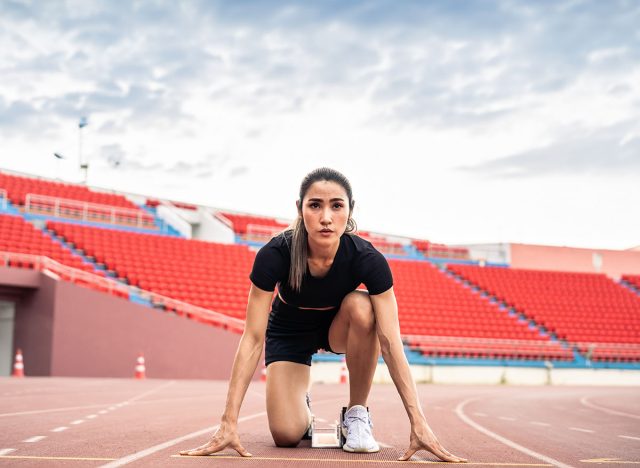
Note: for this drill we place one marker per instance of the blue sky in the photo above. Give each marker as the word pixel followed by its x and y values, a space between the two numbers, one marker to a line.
pixel 456 121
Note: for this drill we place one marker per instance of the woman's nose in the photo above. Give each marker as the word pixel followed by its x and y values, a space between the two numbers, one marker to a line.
pixel 326 216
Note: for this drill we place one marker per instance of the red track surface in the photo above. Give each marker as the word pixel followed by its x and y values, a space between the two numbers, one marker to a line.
pixel 146 423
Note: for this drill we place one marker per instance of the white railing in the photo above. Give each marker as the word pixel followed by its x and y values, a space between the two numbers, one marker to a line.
pixel 465 345
pixel 598 350
pixel 223 219
pixel 462 345
pixel 93 281
pixel 3 198
pixel 262 232
pixel 67 273
pixel 85 211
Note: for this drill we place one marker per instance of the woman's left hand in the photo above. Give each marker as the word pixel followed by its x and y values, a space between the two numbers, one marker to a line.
pixel 423 438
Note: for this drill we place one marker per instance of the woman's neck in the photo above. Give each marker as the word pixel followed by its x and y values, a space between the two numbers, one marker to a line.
pixel 323 253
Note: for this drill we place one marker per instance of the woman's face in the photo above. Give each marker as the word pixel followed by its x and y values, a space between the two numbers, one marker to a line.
pixel 325 211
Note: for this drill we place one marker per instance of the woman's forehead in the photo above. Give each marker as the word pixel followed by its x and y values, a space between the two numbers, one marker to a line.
pixel 326 189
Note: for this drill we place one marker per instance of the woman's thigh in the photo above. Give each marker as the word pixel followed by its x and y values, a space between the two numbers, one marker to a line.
pixel 355 306
pixel 287 411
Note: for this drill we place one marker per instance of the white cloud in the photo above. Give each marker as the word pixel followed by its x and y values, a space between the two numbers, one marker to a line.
pixel 237 95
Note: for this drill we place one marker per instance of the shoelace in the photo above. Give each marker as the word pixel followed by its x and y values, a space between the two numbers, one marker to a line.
pixel 351 418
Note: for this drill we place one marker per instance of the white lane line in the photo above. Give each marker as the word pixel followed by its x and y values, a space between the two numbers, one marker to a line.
pixel 629 437
pixel 506 418
pixel 480 414
pixel 538 423
pixel 579 429
pixel 71 408
pixel 68 408
pixel 504 440
pixel 34 439
pixel 156 448
pixel 6 451
pixel 588 404
pixel 103 412
pixel 144 394
pixel 59 429
pixel 92 416
pixel 77 421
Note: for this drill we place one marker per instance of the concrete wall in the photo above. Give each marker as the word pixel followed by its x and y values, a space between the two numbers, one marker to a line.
pixel 613 263
pixel 34 327
pixel 329 372
pixel 7 318
pixel 68 330
pixel 212 229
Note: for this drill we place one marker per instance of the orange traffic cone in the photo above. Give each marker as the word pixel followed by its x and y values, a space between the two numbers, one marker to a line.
pixel 140 368
pixel 344 374
pixel 263 374
pixel 18 365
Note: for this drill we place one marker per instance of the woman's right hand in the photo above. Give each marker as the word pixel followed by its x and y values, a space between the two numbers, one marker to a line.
pixel 225 436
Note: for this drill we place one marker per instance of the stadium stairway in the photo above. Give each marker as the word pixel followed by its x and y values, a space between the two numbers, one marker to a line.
pixel 631 282
pixel 522 318
pixel 612 344
pixel 413 253
pixel 98 269
pixel 163 226
pixel 7 207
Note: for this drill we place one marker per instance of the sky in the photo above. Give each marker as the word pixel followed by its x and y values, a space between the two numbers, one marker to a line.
pixel 455 121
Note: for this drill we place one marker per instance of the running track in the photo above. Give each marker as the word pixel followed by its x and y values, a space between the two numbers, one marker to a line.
pixel 117 422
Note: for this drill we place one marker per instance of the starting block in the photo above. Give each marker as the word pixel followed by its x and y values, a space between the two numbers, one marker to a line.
pixel 329 436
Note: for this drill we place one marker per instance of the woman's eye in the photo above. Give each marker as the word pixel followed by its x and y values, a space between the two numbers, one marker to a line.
pixel 314 205
pixel 337 205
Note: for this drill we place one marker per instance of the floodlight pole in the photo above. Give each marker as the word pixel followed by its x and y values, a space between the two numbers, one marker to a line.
pixel 59 157
pixel 84 165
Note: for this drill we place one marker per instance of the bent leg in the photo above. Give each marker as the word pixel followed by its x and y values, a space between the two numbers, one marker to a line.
pixel 353 332
pixel 287 410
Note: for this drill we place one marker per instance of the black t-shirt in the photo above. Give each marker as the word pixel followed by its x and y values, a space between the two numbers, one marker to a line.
pixel 356 262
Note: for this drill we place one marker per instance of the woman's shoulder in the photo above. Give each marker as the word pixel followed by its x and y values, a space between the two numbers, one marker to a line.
pixel 282 240
pixel 361 246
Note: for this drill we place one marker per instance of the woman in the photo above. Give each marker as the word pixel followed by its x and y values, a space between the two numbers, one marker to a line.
pixel 317 267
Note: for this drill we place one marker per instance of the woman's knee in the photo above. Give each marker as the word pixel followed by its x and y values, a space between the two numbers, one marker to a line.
pixel 360 308
pixel 285 437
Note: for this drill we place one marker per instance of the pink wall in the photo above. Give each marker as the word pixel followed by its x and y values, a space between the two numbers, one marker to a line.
pixel 615 263
pixel 67 330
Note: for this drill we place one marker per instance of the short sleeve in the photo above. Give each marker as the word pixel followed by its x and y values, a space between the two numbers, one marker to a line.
pixel 270 265
pixel 374 271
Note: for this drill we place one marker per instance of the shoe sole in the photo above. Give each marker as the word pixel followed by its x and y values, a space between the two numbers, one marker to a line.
pixel 346 448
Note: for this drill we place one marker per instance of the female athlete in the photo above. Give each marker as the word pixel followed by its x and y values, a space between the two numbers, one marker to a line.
pixel 316 267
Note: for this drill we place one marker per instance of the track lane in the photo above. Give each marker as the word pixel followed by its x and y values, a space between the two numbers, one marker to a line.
pixel 185 407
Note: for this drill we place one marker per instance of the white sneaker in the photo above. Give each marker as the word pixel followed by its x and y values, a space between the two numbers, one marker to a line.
pixel 356 427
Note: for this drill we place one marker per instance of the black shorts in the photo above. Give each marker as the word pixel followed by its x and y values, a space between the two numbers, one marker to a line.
pixel 294 334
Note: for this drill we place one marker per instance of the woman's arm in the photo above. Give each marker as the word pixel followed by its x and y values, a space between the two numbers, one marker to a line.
pixel 388 328
pixel 244 366
pixel 249 351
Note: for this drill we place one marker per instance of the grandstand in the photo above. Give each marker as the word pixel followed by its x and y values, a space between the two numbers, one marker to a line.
pixel 597 316
pixel 192 263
